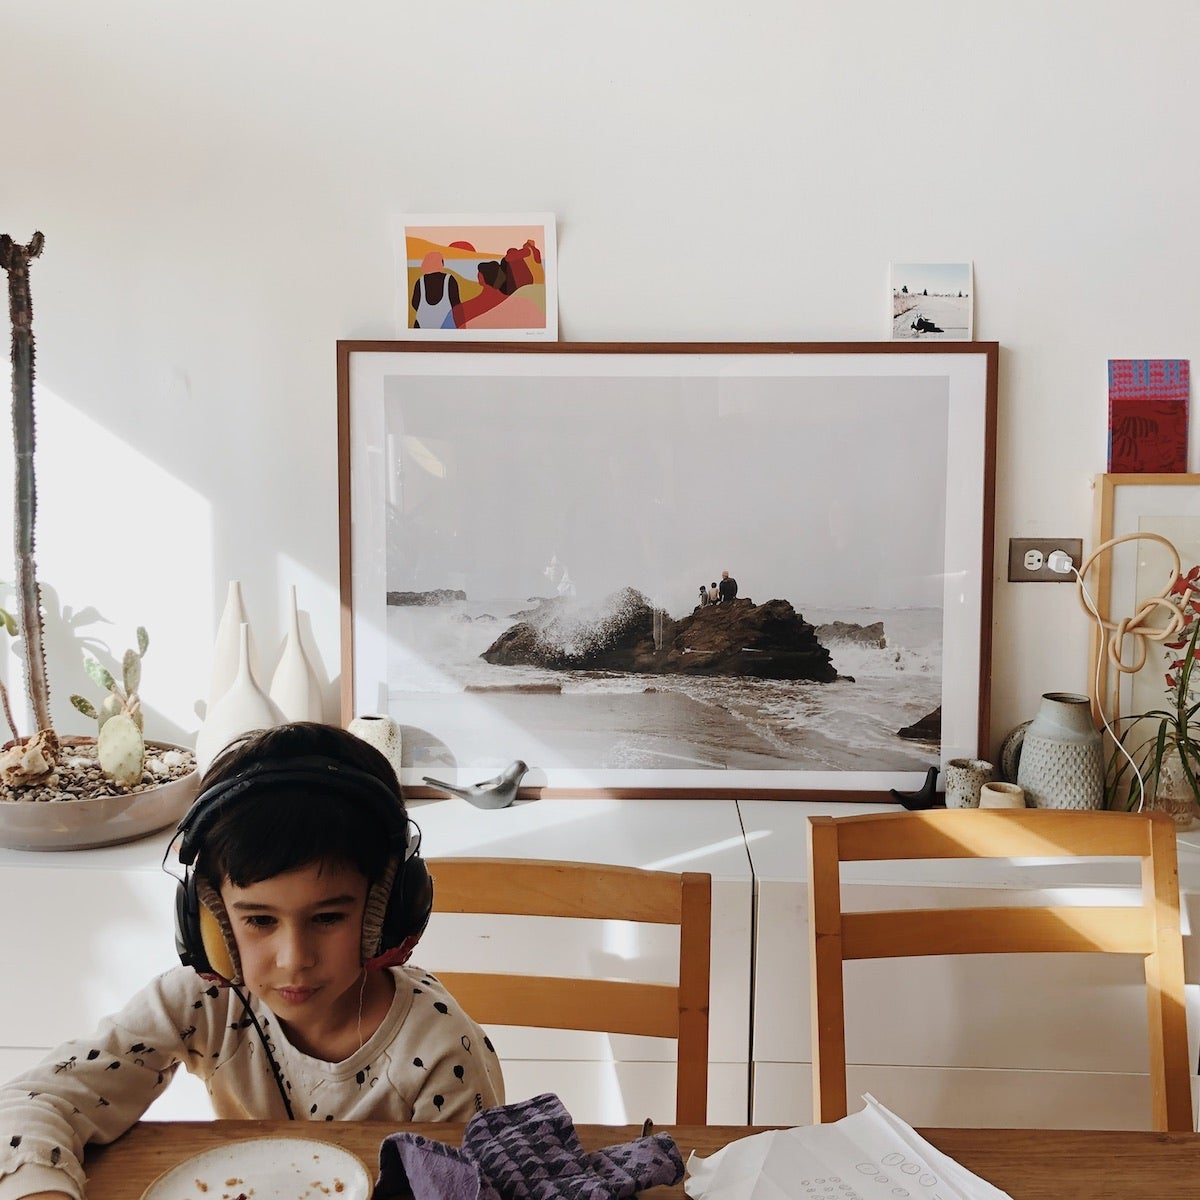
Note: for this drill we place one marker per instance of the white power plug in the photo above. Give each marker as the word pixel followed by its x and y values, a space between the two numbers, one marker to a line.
pixel 1060 561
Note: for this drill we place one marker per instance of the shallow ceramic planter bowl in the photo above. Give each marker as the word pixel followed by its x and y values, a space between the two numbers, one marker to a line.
pixel 105 821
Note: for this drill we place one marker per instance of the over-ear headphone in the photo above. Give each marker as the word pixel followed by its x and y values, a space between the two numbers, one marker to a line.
pixel 398 905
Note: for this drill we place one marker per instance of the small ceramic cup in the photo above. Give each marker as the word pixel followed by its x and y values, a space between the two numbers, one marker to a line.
pixel 965 778
pixel 1001 795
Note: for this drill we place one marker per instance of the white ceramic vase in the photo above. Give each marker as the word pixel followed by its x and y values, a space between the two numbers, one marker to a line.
pixel 381 732
pixel 294 688
pixel 243 707
pixel 227 645
pixel 1062 755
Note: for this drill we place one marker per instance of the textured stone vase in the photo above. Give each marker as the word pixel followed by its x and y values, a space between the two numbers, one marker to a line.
pixel 1062 755
pixel 964 779
pixel 381 732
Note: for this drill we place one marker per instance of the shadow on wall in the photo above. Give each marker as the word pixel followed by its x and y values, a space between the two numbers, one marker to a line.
pixel 69 634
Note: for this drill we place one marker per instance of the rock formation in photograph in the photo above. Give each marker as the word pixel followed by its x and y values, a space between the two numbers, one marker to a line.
pixel 739 637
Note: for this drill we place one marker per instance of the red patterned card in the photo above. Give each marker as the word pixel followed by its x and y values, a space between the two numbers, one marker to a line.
pixel 1148 414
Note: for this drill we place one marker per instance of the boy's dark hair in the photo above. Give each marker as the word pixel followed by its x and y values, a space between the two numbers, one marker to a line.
pixel 283 826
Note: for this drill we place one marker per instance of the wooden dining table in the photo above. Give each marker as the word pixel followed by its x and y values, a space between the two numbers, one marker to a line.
pixel 1029 1164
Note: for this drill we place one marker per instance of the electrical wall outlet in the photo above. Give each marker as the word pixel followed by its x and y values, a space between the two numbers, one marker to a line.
pixel 1040 560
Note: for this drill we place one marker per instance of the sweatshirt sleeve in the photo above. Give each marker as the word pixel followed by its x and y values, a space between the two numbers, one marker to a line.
pixel 93 1089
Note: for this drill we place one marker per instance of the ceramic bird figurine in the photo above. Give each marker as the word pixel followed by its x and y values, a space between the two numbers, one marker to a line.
pixel 925 797
pixel 499 792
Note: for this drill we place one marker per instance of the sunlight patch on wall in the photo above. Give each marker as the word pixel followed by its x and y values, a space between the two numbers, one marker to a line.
pixel 120 542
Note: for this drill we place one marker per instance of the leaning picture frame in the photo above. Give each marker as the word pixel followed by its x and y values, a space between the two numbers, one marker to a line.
pixel 1123 578
pixel 525 533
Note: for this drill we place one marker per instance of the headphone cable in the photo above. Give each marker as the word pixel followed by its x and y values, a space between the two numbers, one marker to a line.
pixel 276 1073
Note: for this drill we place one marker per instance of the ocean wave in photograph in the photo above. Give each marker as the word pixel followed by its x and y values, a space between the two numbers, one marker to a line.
pixel 606 720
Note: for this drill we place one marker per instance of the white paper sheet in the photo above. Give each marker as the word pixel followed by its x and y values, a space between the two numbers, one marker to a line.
pixel 871 1155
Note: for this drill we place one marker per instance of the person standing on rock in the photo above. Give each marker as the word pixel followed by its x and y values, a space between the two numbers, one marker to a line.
pixel 728 587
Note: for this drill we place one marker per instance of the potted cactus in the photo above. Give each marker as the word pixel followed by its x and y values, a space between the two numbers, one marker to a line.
pixel 120 746
pixel 70 792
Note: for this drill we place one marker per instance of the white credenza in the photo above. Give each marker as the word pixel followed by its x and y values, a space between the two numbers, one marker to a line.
pixel 85 929
pixel 1046 1041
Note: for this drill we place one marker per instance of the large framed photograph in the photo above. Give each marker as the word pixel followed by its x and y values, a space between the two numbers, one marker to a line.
pixel 1126 577
pixel 753 570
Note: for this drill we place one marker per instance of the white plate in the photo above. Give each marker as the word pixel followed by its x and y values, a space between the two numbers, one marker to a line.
pixel 269 1168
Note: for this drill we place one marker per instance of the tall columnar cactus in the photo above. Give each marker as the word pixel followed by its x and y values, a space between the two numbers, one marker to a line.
pixel 15 260
pixel 120 746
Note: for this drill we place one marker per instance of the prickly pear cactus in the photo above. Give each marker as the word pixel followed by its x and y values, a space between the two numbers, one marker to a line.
pixel 121 750
pixel 122 706
pixel 110 706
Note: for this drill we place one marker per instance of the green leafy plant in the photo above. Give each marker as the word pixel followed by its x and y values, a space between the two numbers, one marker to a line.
pixel 120 745
pixel 1164 741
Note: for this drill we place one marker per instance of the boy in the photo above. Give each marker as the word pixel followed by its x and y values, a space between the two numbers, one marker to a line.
pixel 303 897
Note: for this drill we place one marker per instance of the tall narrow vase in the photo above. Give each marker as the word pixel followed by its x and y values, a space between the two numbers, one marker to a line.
pixel 1062 755
pixel 243 707
pixel 227 644
pixel 294 686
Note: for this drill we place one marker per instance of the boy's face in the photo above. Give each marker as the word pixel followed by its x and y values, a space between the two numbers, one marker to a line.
pixel 299 937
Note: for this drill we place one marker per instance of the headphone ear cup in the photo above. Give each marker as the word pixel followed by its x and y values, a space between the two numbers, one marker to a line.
pixel 189 941
pixel 409 905
pixel 213 940
pixel 199 939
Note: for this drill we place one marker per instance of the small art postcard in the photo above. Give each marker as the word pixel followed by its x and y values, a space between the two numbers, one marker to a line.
pixel 463 277
pixel 1148 414
pixel 933 302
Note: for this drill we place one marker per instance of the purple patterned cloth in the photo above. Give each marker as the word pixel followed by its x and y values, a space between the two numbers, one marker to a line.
pixel 525 1151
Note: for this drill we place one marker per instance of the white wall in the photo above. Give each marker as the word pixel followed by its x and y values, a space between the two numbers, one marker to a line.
pixel 215 184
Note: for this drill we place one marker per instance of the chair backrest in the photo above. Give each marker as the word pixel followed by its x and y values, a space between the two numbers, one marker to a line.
pixel 1150 930
pixel 535 888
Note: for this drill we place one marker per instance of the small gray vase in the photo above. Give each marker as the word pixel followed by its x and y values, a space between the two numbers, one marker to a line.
pixel 1062 755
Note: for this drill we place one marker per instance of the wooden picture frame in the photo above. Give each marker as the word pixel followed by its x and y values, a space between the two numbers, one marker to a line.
pixel 491 485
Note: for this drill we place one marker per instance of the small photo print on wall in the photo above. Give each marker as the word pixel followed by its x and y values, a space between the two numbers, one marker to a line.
pixel 1148 414
pixel 933 302
pixel 463 277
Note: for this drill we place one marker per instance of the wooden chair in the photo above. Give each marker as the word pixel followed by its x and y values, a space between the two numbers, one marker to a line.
pixel 532 888
pixel 1151 929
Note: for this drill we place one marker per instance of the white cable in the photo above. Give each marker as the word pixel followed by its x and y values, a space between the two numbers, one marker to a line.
pixel 1090 604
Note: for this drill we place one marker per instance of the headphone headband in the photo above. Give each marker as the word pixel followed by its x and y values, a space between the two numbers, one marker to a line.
pixel 310 770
